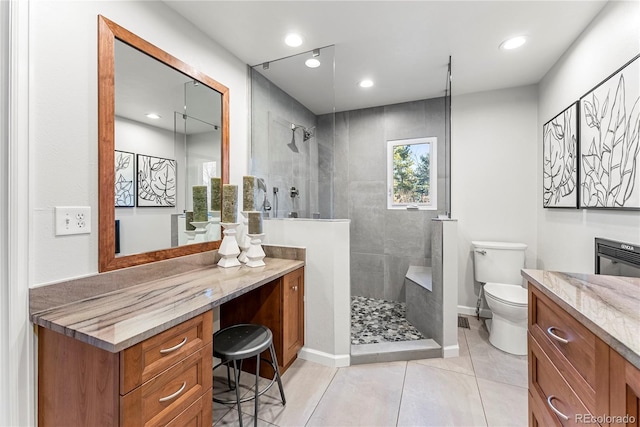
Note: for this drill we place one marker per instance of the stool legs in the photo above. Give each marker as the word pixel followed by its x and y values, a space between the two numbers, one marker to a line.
pixel 256 399
pixel 275 365
pixel 236 372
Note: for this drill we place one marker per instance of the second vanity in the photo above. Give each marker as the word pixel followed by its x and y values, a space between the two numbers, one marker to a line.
pixel 584 349
pixel 141 354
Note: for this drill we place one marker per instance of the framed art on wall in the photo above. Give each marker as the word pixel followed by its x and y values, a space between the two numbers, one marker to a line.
pixel 560 160
pixel 125 177
pixel 156 181
pixel 610 141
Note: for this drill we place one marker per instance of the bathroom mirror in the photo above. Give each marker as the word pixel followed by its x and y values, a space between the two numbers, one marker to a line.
pixel 187 145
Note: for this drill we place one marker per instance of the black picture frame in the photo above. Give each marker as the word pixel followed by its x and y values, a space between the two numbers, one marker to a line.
pixel 125 179
pixel 560 164
pixel 610 141
pixel 156 181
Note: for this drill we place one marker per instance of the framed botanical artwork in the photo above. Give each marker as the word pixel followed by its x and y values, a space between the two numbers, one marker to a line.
pixel 560 160
pixel 125 171
pixel 156 181
pixel 610 141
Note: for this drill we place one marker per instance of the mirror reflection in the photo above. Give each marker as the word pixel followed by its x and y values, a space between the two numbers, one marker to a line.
pixel 163 131
pixel 167 140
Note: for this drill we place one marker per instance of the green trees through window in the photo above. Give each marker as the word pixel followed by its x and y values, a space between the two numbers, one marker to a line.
pixel 410 173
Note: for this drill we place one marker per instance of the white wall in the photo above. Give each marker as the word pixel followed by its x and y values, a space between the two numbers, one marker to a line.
pixel 53 134
pixel 327 284
pixel 566 237
pixel 494 175
pixel 63 113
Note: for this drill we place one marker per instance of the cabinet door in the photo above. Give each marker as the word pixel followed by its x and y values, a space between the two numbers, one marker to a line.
pixel 625 390
pixel 293 315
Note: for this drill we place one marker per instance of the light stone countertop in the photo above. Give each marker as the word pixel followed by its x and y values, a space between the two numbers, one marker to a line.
pixel 609 306
pixel 119 319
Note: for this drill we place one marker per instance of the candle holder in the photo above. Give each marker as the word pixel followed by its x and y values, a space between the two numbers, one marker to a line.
pixel 214 219
pixel 244 241
pixel 191 234
pixel 201 226
pixel 229 247
pixel 255 254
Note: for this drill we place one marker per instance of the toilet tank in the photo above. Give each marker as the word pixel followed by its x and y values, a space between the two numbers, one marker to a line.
pixel 498 262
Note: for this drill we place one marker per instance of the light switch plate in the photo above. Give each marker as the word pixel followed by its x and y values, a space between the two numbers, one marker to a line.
pixel 73 220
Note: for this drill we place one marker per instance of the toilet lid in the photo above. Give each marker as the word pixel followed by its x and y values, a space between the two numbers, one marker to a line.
pixel 509 294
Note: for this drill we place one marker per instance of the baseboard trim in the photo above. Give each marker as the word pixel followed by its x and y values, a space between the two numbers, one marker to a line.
pixel 327 359
pixel 471 311
pixel 451 351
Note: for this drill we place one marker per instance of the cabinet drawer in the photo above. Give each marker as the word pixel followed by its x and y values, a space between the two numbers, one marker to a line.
pixel 199 414
pixel 147 359
pixel 551 388
pixel 167 395
pixel 571 346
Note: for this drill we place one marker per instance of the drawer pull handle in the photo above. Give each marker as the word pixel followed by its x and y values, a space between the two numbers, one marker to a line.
pixel 481 252
pixel 174 348
pixel 556 337
pixel 554 409
pixel 174 395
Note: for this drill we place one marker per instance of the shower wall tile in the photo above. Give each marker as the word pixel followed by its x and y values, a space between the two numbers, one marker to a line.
pixel 367 216
pixel 367 149
pixel 395 271
pixel 404 233
pixel 406 120
pixel 367 275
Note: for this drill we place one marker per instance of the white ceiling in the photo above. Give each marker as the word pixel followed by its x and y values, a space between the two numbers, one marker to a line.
pixel 404 46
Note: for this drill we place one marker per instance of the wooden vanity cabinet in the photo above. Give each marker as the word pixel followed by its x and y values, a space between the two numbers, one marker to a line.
pixel 625 390
pixel 279 305
pixel 574 372
pixel 164 380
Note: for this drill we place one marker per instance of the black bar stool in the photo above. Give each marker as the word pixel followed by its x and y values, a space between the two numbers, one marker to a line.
pixel 239 342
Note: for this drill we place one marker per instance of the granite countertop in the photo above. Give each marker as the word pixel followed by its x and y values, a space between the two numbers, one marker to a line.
pixel 609 306
pixel 121 318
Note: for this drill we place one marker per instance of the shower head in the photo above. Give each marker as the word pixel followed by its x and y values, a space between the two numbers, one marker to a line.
pixel 292 144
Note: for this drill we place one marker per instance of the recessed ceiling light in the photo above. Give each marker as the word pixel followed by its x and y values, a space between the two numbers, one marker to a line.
pixel 153 116
pixel 513 43
pixel 312 63
pixel 366 83
pixel 293 40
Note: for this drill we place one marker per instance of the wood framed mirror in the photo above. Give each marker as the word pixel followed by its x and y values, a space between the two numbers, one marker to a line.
pixel 113 38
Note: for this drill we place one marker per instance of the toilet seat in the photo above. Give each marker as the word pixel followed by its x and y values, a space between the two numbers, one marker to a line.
pixel 514 295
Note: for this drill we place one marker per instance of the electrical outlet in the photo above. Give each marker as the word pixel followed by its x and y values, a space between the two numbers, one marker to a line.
pixel 73 220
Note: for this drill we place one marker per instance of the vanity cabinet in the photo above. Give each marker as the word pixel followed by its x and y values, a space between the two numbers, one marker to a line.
pixel 625 390
pixel 164 380
pixel 279 305
pixel 575 378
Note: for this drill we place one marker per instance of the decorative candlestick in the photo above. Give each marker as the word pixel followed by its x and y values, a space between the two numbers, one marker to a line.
pixel 216 194
pixel 255 222
pixel 200 226
pixel 214 220
pixel 200 203
pixel 255 254
pixel 190 230
pixel 248 193
pixel 229 247
pixel 229 203
pixel 244 241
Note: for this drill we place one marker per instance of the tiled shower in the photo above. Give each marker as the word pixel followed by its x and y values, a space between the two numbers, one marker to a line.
pixel 341 172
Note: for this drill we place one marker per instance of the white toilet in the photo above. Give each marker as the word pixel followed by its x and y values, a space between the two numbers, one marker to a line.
pixel 497 265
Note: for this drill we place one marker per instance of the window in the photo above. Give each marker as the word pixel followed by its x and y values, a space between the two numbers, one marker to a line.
pixel 412 173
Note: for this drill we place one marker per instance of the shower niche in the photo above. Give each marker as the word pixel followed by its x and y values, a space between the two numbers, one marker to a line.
pixel 292 134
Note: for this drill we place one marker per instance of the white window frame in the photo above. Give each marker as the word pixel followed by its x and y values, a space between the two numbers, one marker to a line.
pixel 432 141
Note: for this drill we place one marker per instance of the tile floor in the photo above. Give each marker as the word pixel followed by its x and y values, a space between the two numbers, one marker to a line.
pixel 481 387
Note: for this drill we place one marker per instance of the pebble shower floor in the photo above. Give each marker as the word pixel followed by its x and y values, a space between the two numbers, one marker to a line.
pixel 376 321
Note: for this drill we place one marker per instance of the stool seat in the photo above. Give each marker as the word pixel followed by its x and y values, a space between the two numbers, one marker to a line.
pixel 238 342
pixel 241 341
